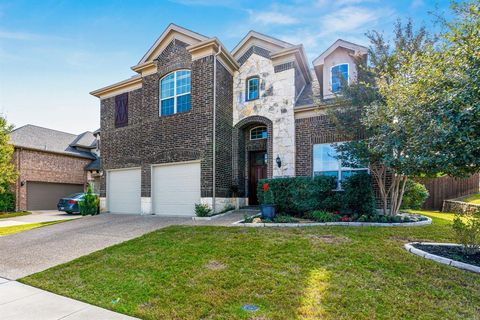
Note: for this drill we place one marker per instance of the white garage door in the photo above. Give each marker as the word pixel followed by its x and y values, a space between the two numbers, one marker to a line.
pixel 176 189
pixel 124 187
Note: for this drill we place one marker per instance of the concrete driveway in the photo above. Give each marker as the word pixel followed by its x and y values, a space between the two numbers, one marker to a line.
pixel 35 250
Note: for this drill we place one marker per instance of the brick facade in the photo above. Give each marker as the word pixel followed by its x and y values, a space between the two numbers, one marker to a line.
pixel 41 166
pixel 153 139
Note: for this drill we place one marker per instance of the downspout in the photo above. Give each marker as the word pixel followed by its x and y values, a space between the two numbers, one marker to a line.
pixel 214 126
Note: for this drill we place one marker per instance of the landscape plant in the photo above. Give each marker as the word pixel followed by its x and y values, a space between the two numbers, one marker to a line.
pixel 358 195
pixel 8 172
pixel 414 120
pixel 202 210
pixel 90 203
pixel 415 195
pixel 467 231
pixel 7 199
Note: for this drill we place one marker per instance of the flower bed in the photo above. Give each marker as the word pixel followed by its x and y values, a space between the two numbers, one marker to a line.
pixel 336 220
pixel 446 253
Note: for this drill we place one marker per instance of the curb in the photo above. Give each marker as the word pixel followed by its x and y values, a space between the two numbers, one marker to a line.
pixel 345 224
pixel 212 217
pixel 457 264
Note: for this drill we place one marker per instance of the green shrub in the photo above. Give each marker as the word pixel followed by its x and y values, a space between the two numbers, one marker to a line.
pixel 358 196
pixel 467 231
pixel 415 195
pixel 202 210
pixel 321 216
pixel 298 195
pixel 90 205
pixel 7 200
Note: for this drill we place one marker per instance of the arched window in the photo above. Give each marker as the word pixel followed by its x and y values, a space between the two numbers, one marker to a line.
pixel 258 133
pixel 339 74
pixel 175 92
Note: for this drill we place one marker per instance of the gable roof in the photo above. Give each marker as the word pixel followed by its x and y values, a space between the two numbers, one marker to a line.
pixel 339 43
pixel 260 37
pixel 44 139
pixel 173 31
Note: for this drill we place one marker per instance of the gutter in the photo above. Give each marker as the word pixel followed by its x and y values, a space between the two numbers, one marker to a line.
pixel 214 127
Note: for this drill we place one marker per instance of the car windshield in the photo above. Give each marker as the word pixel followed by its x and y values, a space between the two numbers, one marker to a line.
pixel 75 195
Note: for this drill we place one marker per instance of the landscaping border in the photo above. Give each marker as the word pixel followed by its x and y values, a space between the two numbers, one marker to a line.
pixel 457 264
pixel 215 216
pixel 338 223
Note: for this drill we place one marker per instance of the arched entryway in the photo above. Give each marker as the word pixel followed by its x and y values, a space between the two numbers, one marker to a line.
pixel 252 144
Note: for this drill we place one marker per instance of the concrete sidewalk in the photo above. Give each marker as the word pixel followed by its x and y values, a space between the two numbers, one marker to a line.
pixel 37 217
pixel 21 302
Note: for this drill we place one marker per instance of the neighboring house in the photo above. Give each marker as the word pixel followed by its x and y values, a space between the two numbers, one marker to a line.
pixel 199 123
pixel 52 164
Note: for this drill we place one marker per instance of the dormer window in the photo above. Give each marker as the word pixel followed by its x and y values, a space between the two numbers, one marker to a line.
pixel 339 75
pixel 258 133
pixel 175 92
pixel 253 88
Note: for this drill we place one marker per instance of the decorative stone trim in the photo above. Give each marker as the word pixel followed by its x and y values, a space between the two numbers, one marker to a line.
pixel 212 217
pixel 347 224
pixel 457 264
pixel 253 49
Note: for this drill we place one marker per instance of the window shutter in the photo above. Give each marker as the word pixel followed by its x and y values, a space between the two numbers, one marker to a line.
pixel 121 110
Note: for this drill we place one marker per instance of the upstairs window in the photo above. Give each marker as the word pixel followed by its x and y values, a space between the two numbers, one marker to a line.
pixel 339 76
pixel 253 86
pixel 258 133
pixel 326 162
pixel 175 92
pixel 121 110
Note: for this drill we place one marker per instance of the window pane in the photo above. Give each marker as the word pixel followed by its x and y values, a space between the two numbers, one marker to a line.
pixel 183 103
pixel 183 81
pixel 167 107
pixel 252 89
pixel 324 158
pixel 349 173
pixel 258 133
pixel 167 87
pixel 339 74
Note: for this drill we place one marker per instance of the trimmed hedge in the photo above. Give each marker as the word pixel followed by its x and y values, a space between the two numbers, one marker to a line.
pixel 415 195
pixel 298 196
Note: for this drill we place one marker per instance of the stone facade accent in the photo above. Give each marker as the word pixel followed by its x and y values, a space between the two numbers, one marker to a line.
pixel 42 166
pixel 276 103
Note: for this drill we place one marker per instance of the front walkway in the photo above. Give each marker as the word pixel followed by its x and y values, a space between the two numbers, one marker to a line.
pixel 21 302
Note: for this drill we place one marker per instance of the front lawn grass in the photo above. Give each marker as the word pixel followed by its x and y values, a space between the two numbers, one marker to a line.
pixel 4 215
pixel 310 273
pixel 4 231
pixel 473 199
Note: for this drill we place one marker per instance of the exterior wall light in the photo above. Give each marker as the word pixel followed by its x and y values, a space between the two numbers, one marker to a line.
pixel 279 161
pixel 22 183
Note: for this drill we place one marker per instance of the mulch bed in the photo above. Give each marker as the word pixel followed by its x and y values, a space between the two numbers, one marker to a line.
pixel 451 252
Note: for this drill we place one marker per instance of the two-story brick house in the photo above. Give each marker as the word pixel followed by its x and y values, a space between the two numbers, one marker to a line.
pixel 199 123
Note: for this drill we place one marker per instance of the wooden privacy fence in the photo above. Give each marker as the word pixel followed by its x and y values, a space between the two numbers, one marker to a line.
pixel 446 188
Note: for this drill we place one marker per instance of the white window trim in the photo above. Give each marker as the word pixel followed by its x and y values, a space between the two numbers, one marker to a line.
pixel 257 128
pixel 331 75
pixel 248 88
pixel 175 96
pixel 339 182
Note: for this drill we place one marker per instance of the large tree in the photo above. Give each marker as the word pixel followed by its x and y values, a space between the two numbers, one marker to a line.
pixel 8 173
pixel 419 105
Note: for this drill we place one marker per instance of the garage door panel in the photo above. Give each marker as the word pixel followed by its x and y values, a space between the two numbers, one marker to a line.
pixel 45 195
pixel 124 191
pixel 176 188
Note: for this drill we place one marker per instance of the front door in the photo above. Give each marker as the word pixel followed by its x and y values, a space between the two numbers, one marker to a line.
pixel 258 171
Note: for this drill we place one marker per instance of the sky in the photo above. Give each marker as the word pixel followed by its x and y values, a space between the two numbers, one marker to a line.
pixel 53 53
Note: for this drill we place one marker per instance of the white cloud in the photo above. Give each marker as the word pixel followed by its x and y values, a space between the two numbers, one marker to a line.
pixel 416 4
pixel 352 18
pixel 269 18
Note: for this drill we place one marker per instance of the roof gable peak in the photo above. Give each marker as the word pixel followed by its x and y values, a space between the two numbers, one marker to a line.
pixel 253 38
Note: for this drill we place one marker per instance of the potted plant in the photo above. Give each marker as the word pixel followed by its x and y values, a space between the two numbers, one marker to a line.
pixel 267 207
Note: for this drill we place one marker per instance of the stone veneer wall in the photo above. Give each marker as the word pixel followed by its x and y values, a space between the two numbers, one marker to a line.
pixel 277 97
pixel 42 166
